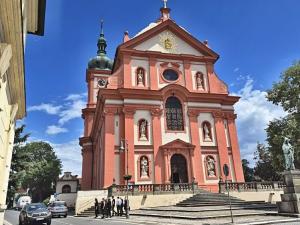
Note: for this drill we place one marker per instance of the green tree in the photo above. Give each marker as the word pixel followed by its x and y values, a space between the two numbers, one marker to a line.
pixel 248 171
pixel 285 93
pixel 34 166
pixel 263 167
pixel 42 170
pixel 17 164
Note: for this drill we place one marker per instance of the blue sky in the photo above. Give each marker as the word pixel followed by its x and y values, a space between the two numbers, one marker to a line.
pixel 256 41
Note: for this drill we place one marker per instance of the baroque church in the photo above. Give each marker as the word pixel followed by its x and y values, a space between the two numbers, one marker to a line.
pixel 158 112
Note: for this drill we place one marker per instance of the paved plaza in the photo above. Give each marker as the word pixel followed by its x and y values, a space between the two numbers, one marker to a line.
pixel 11 218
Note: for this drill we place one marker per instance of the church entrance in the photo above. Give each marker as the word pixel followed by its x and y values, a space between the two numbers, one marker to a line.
pixel 179 169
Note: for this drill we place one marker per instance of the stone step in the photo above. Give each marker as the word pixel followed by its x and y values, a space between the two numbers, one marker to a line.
pixel 198 216
pixel 197 204
pixel 205 209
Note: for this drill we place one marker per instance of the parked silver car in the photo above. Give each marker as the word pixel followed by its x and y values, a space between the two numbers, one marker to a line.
pixel 58 208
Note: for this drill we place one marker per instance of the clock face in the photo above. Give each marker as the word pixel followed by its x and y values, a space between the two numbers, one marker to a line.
pixel 102 82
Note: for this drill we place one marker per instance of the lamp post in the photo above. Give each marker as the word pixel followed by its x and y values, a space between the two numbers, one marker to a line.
pixel 127 177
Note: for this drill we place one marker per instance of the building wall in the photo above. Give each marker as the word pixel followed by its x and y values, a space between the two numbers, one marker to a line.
pixel 16 17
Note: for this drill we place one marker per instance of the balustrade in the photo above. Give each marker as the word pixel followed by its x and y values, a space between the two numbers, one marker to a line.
pixel 139 189
pixel 251 186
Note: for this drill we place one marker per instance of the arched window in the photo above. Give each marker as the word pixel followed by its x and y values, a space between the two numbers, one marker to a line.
pixel 143 130
pixel 144 167
pixel 210 166
pixel 206 131
pixel 199 81
pixel 66 189
pixel 174 115
pixel 140 77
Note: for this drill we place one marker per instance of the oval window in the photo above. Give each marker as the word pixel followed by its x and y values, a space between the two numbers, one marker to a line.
pixel 170 75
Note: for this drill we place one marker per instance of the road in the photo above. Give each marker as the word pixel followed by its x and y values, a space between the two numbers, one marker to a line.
pixel 12 216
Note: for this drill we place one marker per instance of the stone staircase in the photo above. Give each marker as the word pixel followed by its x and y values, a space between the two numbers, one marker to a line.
pixel 206 206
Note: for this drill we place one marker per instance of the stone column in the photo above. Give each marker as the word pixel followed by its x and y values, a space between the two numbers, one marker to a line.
pixel 236 155
pixel 221 142
pixel 188 75
pixel 87 164
pixel 129 136
pixel 127 72
pixel 153 74
pixel 156 139
pixel 109 146
pixel 166 165
pixel 196 158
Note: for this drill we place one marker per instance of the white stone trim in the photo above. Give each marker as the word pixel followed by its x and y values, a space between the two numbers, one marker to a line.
pixel 204 105
pixel 142 101
pixel 114 101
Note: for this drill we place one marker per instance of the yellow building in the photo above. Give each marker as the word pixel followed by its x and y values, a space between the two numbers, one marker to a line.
pixel 17 18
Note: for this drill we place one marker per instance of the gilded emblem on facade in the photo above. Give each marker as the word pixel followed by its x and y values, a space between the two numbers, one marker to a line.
pixel 167 40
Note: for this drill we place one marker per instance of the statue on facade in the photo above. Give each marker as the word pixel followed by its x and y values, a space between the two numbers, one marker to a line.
pixel 288 153
pixel 211 169
pixel 143 130
pixel 206 133
pixel 140 78
pixel 199 82
pixel 144 167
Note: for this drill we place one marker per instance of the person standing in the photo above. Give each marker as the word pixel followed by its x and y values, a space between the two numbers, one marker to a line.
pixel 102 207
pixel 96 207
pixel 118 202
pixel 121 207
pixel 108 208
pixel 113 204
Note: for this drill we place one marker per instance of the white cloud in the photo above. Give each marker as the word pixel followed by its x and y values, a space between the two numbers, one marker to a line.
pixel 236 69
pixel 254 113
pixel 53 129
pixel 70 155
pixel 72 111
pixel 48 108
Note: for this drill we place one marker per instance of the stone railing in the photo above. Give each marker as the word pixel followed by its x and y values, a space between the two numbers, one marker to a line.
pixel 140 189
pixel 251 186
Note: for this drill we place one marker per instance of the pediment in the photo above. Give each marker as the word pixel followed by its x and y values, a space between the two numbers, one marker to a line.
pixel 177 144
pixel 168 37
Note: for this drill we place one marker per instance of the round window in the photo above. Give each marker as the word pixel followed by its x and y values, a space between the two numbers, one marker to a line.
pixel 170 75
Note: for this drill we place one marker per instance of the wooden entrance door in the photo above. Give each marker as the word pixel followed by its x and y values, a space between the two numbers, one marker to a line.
pixel 179 169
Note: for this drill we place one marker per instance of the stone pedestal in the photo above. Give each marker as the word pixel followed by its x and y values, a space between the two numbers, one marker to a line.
pixel 290 200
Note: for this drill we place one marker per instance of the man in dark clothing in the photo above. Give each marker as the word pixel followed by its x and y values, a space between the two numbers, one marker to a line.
pixel 126 207
pixel 102 205
pixel 113 203
pixel 108 208
pixel 121 208
pixel 96 208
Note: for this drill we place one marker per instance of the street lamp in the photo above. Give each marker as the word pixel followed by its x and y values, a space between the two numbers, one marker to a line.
pixel 127 177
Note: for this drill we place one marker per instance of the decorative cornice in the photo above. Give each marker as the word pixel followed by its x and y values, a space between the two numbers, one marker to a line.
pixel 230 116
pixel 218 114
pixel 193 112
pixel 156 112
pixel 110 111
pixel 129 110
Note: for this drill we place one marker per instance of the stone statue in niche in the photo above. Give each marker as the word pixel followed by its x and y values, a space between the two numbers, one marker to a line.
pixel 288 153
pixel 144 167
pixel 140 78
pixel 207 134
pixel 143 130
pixel 199 82
pixel 211 168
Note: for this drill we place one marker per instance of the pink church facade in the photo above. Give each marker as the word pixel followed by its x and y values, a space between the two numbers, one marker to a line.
pixel 164 98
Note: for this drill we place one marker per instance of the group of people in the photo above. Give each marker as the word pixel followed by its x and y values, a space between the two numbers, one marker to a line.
pixel 111 207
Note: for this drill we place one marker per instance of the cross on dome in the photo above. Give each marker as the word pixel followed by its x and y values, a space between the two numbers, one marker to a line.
pixel 165 3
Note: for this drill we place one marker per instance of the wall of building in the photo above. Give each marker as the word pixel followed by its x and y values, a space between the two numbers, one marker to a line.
pixel 267 196
pixel 61 183
pixel 69 198
pixel 86 199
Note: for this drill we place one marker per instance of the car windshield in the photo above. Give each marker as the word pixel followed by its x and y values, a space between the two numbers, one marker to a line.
pixel 59 204
pixel 36 207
